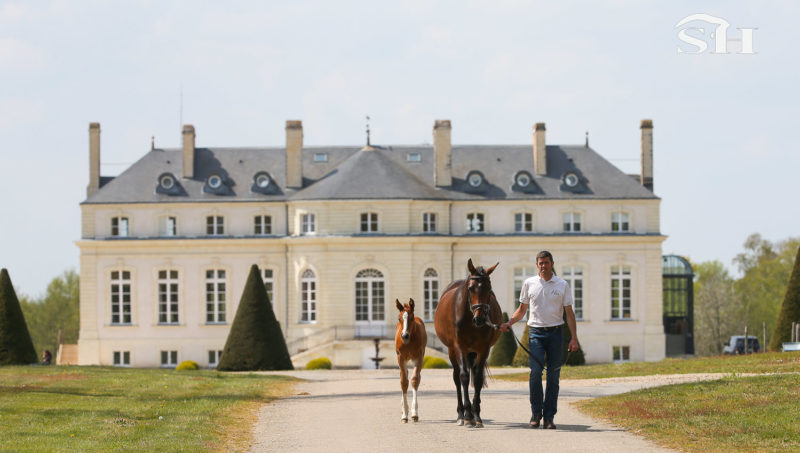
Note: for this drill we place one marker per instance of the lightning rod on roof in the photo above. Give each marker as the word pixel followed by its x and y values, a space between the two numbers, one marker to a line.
pixel 152 142
pixel 368 131
pixel 587 139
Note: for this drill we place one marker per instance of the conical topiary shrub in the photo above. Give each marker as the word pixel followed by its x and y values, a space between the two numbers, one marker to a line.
pixel 575 357
pixel 521 357
pixel 255 341
pixel 790 309
pixel 503 352
pixel 16 347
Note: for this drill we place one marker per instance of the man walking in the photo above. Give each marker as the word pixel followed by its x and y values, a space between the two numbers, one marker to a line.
pixel 548 297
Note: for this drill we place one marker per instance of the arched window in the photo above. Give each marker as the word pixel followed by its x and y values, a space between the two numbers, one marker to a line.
pixel 430 291
pixel 308 297
pixel 370 304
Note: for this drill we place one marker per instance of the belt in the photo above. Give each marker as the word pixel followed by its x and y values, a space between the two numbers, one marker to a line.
pixel 547 329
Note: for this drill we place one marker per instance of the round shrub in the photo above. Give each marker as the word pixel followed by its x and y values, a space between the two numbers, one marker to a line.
pixel 322 363
pixel 187 365
pixel 434 362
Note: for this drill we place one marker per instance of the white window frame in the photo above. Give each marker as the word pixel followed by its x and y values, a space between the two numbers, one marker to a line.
pixel 120 227
pixel 168 226
pixel 369 222
pixel 308 223
pixel 268 276
pixel 215 225
pixel 523 222
pixel 216 290
pixel 168 286
pixel 370 297
pixel 262 225
pixel 120 287
pixel 620 222
pixel 572 222
pixel 621 305
pixel 475 217
pixel 620 353
pixel 522 273
pixel 214 356
pixel 121 358
pixel 429 222
pixel 169 359
pixel 308 297
pixel 430 293
pixel 574 277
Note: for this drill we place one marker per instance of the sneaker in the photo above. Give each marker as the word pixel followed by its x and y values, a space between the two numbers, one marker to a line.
pixel 548 424
pixel 535 421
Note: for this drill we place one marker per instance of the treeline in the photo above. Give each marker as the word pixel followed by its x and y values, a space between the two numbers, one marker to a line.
pixel 724 305
pixel 56 311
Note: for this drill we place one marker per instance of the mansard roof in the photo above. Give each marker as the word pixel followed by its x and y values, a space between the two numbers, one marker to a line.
pixel 379 173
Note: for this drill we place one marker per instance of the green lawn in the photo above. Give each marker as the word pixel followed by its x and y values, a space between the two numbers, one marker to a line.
pixel 749 414
pixel 771 362
pixel 105 409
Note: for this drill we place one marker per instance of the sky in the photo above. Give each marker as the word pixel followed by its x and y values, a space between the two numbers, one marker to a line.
pixel 725 149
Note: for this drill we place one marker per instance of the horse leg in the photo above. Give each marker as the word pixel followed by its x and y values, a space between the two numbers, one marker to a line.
pixel 415 380
pixel 466 367
pixel 457 380
pixel 478 378
pixel 404 388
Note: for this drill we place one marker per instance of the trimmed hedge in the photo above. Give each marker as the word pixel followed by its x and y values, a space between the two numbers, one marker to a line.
pixel 321 363
pixel 434 362
pixel 790 309
pixel 187 365
pixel 503 352
pixel 16 347
pixel 521 357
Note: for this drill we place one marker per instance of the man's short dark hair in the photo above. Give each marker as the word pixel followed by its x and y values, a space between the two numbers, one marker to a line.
pixel 544 254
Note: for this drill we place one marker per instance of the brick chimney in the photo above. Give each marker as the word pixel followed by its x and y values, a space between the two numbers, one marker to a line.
pixel 188 151
pixel 539 150
pixel 294 154
pixel 647 154
pixel 442 154
pixel 94 159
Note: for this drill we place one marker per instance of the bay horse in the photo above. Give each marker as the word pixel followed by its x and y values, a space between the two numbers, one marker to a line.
pixel 467 321
pixel 410 340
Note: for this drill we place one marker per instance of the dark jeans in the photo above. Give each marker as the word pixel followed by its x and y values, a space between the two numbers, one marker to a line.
pixel 541 343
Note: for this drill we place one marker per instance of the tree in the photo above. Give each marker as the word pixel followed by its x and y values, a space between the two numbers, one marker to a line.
pixel 57 311
pixel 790 309
pixel 255 341
pixel 16 347
pixel 521 357
pixel 715 308
pixel 503 352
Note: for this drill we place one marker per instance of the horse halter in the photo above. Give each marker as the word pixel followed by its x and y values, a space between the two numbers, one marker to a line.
pixel 485 306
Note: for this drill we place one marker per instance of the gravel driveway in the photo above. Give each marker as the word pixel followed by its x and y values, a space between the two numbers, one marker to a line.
pixel 359 411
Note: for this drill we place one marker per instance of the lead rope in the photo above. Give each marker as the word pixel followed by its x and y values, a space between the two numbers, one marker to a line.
pixel 495 326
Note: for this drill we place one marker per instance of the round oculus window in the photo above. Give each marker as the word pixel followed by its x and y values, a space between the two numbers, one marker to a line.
pixel 475 179
pixel 167 182
pixel 523 179
pixel 263 180
pixel 571 179
pixel 214 181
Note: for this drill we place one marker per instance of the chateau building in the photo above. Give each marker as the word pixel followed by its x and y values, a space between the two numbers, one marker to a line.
pixel 341 232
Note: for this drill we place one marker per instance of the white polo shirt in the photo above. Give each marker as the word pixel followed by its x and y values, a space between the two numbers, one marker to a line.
pixel 546 300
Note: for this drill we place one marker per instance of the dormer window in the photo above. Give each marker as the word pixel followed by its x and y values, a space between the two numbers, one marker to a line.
pixel 571 180
pixel 523 179
pixel 214 181
pixel 320 157
pixel 263 183
pixel 167 181
pixel 167 184
pixel 475 179
pixel 414 157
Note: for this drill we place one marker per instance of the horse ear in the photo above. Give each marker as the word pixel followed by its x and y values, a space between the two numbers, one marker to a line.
pixel 491 269
pixel 471 267
pixel 397 304
pixel 411 303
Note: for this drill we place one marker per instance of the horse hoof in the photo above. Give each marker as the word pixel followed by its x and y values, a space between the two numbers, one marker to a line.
pixel 470 422
pixel 479 424
pixel 415 418
pixel 460 422
pixel 404 420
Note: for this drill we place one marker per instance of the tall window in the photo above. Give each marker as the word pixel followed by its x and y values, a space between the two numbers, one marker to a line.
pixel 263 225
pixel 429 222
pixel 621 353
pixel 119 227
pixel 213 358
pixel 215 296
pixel 572 222
pixel 620 292
pixel 120 297
pixel 308 297
pixel 169 359
pixel 520 275
pixel 215 225
pixel 168 297
pixel 475 222
pixel 523 222
pixel 620 222
pixel 370 306
pixel 122 358
pixel 308 224
pixel 430 290
pixel 369 222
pixel 168 226
pixel 574 276
pixel 269 283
